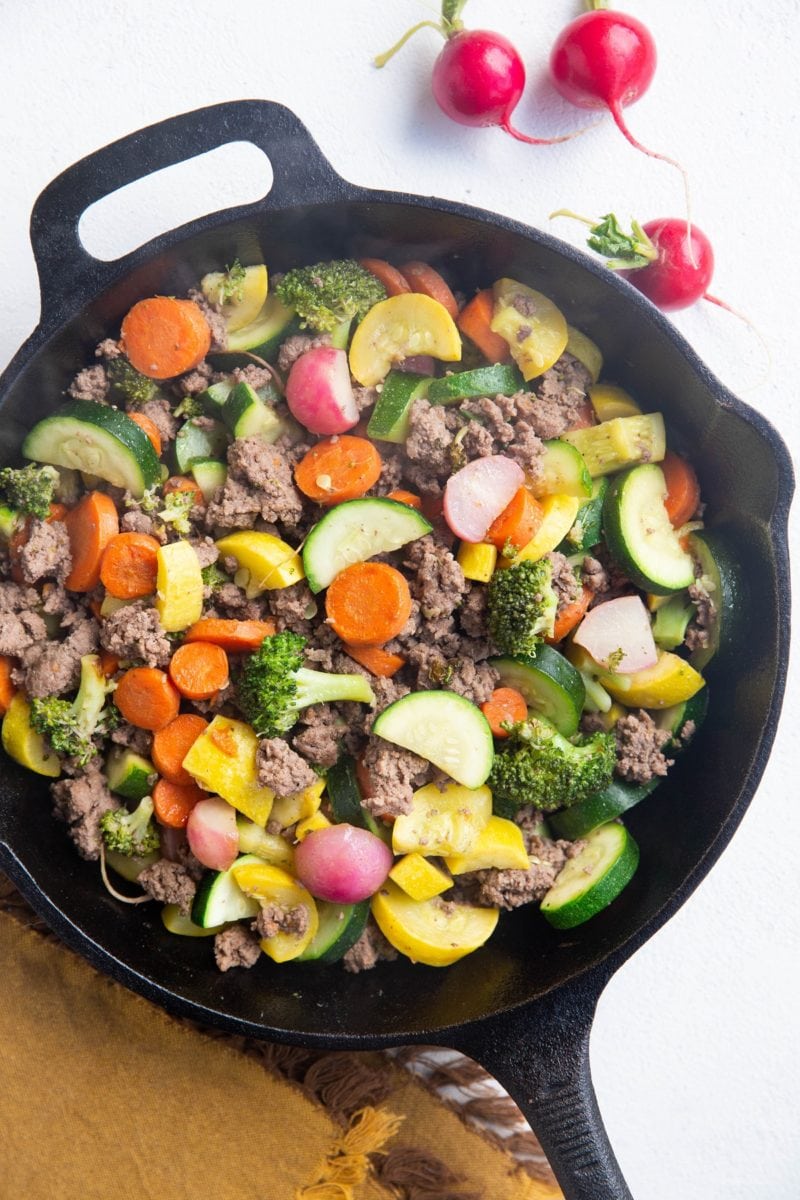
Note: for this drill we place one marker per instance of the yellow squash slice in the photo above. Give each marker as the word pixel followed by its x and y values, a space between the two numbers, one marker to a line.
pixel 534 328
pixel 266 563
pixel 671 681
pixel 223 760
pixel 436 932
pixel 558 516
pixel 273 886
pixel 420 878
pixel 442 822
pixel 247 294
pixel 499 844
pixel 22 743
pixel 179 586
pixel 399 328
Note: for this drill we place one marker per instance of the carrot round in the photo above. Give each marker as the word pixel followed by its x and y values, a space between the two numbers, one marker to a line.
pixel 180 483
pixel 336 469
pixel 171 745
pixel 147 698
pixel 173 802
pixel 199 670
pixel 91 525
pixel 505 706
pixel 379 662
pixel 422 278
pixel 404 497
pixel 683 489
pixel 129 566
pixel 569 616
pixel 7 689
pixel 475 320
pixel 164 337
pixel 149 427
pixel 368 604
pixel 517 523
pixel 237 637
pixel 395 283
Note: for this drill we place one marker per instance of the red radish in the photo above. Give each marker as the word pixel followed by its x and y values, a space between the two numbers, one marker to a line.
pixel 476 495
pixel 212 833
pixel 319 392
pixel 618 635
pixel 342 863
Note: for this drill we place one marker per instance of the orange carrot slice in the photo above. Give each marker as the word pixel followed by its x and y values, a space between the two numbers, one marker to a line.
pixel 171 745
pixel 368 603
pixel 164 337
pixel 336 469
pixel 505 706
pixel 199 670
pixel 91 525
pixel 147 698
pixel 129 566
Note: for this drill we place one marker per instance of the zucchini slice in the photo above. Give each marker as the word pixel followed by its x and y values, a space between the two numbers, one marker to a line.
pixel 392 413
pixel 444 728
pixel 245 414
pixel 499 379
pixel 219 898
pixel 549 683
pixel 340 927
pixel 129 775
pixel 721 578
pixel 344 795
pixel 194 441
pixel 355 530
pixel 594 878
pixel 583 818
pixel 209 474
pixel 563 471
pixel 587 529
pixel 640 535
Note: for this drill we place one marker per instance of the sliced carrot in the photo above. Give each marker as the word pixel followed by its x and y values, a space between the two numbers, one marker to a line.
pixel 199 670
pixel 91 525
pixel 171 745
pixel 422 278
pixel 57 512
pixel 475 320
pixel 109 663
pixel 569 616
pixel 395 283
pixel 173 802
pixel 147 698
pixel 368 603
pixel 585 416
pixel 339 468
pixel 517 523
pixel 505 706
pixel 237 637
pixel 379 662
pixel 683 489
pixel 129 566
pixel 404 497
pixel 179 483
pixel 149 427
pixel 164 337
pixel 7 689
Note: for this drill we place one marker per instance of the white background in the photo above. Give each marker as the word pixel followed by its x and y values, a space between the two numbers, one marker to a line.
pixel 694 1051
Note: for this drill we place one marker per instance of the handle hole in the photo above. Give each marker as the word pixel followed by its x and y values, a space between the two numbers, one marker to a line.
pixel 230 175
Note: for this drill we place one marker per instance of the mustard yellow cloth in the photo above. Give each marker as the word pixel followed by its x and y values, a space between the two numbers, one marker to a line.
pixel 103 1096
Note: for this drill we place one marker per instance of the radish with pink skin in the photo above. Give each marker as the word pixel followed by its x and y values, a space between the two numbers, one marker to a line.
pixel 476 495
pixel 618 635
pixel 343 864
pixel 319 392
pixel 212 833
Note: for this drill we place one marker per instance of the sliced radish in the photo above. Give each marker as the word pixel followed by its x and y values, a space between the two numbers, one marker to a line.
pixel 342 863
pixel 319 392
pixel 477 494
pixel 618 635
pixel 213 836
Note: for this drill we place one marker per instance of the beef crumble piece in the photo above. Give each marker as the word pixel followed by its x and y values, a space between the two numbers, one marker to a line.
pixel 438 582
pixel 640 745
pixel 293 608
pixel 594 575
pixel 170 883
pixel 215 319
pixel 259 485
pixel 465 674
pixel 134 634
pixel 565 583
pixel 273 919
pixel 428 445
pixel 281 768
pixel 699 631
pixel 90 384
pixel 46 553
pixel 370 949
pixel 80 803
pixel 319 740
pixel 560 396
pixel 236 947
pixel 53 668
pixel 160 413
pixel 297 345
pixel 20 631
pixel 394 775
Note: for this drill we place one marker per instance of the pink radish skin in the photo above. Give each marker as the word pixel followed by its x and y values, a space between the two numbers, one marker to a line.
pixel 212 834
pixel 682 270
pixel 477 494
pixel 618 635
pixel 342 863
pixel 319 392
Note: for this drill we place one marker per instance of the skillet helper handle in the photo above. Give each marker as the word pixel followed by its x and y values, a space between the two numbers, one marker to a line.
pixel 68 275
pixel 541 1058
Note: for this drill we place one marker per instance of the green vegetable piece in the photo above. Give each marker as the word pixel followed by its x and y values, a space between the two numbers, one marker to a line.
pixel 70 726
pixel 131 833
pixel 537 765
pixel 496 380
pixel 391 415
pixel 522 606
pixel 328 293
pixel 670 621
pixel 28 489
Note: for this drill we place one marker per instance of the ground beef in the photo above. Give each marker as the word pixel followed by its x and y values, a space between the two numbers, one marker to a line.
pixel 170 883
pixel 236 947
pixel 90 384
pixel 297 345
pixel 394 775
pixel 136 521
pixel 565 583
pixel 16 597
pixel 472 613
pixel 273 919
pixel 438 582
pixel 138 740
pixel 281 769
pixel 80 803
pixel 561 393
pixel 293 607
pixel 259 484
pixel 370 949
pixel 160 413
pixel 46 553
pixel 318 741
pixel 465 674
pixel 699 630
pixel 215 320
pixel 196 381
pixel 20 631
pixel 430 438
pixel 134 634
pixel 206 550
pixel 640 746
pixel 477 441
pixel 594 575
pixel 108 349
pixel 54 668
pixel 255 376
pixel 365 397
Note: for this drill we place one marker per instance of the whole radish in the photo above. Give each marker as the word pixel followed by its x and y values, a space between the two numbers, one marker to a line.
pixel 478 78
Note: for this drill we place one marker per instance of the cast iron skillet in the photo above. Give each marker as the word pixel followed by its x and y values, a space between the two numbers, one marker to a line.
pixel 523 1005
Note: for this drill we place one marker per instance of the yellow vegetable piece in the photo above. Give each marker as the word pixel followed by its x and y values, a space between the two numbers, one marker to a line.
pixel 399 328
pixel 304 828
pixel 436 932
pixel 442 821
pixel 499 844
pixel 558 517
pixel 271 847
pixel 534 328
pixel 111 604
pixel 175 921
pixel 247 298
pixel 420 878
pixel 477 560
pixel 179 586
pixel 223 760
pixel 671 681
pixel 619 443
pixel 273 886
pixel 610 401
pixel 265 562
pixel 22 743
pixel 585 350
pixel 288 809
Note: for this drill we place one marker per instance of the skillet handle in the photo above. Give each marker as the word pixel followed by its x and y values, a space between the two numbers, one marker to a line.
pixel 68 274
pixel 541 1058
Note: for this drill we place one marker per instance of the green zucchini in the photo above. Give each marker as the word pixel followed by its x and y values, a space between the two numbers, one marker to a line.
pixel 549 683
pixel 340 927
pixel 391 415
pixel 563 471
pixel 444 728
pixel 128 774
pixel 676 719
pixel 620 443
pixel 219 898
pixel 262 338
pixel 245 413
pixel 209 474
pixel 344 794
pixel 581 819
pixel 215 396
pixel 719 574
pixel 594 878
pixel 670 621
pixel 587 529
pixel 640 535
pixel 353 532
pixel 199 438
pixel 496 380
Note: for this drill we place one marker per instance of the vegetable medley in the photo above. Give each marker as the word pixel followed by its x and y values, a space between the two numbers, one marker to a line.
pixel 344 612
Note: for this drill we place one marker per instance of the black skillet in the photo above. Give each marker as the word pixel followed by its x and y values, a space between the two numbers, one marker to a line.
pixel 522 1006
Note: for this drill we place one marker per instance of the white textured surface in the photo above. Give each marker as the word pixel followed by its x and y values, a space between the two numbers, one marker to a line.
pixel 695 1047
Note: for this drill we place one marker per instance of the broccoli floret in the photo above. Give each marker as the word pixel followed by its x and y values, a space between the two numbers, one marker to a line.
pixel 71 726
pixel 129 384
pixel 190 407
pixel 273 685
pixel 214 577
pixel 29 489
pixel 330 293
pixel 230 287
pixel 537 765
pixel 177 506
pixel 131 833
pixel 522 606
